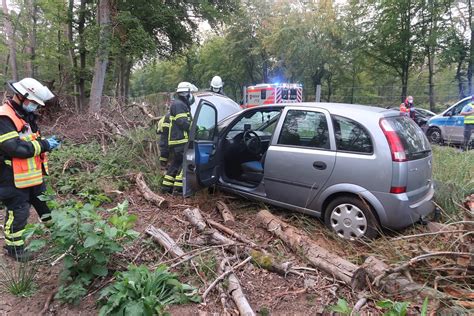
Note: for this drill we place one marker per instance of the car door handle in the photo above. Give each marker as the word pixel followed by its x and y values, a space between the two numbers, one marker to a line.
pixel 320 165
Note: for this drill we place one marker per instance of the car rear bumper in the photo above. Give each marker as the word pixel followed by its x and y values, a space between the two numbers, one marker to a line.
pixel 400 212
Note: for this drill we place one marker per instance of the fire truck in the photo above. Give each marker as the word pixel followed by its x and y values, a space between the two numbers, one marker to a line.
pixel 270 93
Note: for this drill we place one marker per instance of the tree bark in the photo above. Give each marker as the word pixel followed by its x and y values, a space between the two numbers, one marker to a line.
pixel 72 55
pixel 195 218
pixel 97 87
pixel 7 24
pixel 32 10
pixel 82 55
pixel 318 256
pixel 148 194
pixel 166 241
pixel 470 67
pixel 238 295
pixel 225 213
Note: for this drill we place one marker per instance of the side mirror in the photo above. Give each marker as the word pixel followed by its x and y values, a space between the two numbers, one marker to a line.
pixel 449 113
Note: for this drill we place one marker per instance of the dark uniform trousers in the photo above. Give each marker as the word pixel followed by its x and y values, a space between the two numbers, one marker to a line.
pixel 18 203
pixel 174 174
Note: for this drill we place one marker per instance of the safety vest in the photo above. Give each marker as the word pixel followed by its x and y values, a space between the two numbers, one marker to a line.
pixel 469 119
pixel 27 172
pixel 163 124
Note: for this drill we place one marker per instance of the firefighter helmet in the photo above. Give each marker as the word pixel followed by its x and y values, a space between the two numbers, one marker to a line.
pixel 33 90
pixel 216 83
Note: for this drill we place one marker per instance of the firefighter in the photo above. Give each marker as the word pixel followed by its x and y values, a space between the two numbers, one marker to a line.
pixel 163 131
pixel 180 121
pixel 23 161
pixel 217 85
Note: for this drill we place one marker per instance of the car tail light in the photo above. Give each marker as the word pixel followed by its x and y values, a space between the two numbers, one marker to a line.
pixel 398 190
pixel 396 146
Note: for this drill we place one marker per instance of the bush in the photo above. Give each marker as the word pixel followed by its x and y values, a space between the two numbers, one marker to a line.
pixel 141 292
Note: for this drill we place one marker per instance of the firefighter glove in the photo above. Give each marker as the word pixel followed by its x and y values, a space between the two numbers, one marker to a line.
pixel 53 142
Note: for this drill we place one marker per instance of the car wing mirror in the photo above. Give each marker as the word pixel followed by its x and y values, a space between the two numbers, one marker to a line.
pixel 449 113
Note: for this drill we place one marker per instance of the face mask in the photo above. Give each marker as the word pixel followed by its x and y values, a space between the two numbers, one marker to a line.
pixel 29 106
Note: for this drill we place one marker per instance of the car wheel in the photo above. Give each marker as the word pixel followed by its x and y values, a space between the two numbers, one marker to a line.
pixel 351 218
pixel 434 135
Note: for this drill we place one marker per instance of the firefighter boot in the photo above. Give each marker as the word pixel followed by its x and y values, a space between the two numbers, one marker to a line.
pixel 19 253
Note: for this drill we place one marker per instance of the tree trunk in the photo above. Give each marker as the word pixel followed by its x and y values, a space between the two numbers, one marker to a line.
pixel 431 58
pixel 103 14
pixel 318 256
pixel 470 68
pixel 82 55
pixel 72 55
pixel 7 24
pixel 32 10
pixel 404 82
pixel 461 92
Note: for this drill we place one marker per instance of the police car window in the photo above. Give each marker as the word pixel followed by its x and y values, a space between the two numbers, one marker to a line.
pixel 306 129
pixel 458 108
pixel 263 94
pixel 206 122
pixel 284 94
pixel 351 136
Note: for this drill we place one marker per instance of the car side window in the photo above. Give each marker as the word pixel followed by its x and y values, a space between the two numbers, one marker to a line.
pixel 305 129
pixel 458 108
pixel 206 122
pixel 256 119
pixel 351 136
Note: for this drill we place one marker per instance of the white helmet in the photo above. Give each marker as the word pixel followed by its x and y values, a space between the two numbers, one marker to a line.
pixel 186 87
pixel 33 90
pixel 216 83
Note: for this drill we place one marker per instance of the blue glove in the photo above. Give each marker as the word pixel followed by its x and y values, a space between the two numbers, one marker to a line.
pixel 53 142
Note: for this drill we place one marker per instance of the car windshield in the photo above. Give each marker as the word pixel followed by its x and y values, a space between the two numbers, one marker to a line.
pixel 414 140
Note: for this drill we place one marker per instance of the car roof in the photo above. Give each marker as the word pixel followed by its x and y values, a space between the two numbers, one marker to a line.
pixel 343 109
pixel 225 106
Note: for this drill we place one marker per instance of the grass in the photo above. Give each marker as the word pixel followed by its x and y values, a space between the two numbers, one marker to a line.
pixel 453 173
pixel 19 278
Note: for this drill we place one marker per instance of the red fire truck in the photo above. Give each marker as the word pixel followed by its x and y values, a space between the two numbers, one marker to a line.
pixel 269 93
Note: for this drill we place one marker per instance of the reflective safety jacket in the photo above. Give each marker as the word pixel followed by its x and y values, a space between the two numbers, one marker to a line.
pixel 469 119
pixel 27 171
pixel 164 125
pixel 180 121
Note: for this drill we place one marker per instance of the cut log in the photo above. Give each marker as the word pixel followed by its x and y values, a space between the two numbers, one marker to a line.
pixel 166 241
pixel 394 283
pixel 231 233
pixel 148 194
pixel 193 215
pixel 235 290
pixel 302 244
pixel 225 213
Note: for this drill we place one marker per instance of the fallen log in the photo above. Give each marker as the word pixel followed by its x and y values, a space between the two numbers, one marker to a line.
pixel 193 215
pixel 225 213
pixel 231 233
pixel 235 290
pixel 166 241
pixel 394 283
pixel 148 194
pixel 302 244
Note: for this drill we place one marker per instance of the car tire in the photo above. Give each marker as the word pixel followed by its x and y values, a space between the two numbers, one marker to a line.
pixel 351 218
pixel 434 135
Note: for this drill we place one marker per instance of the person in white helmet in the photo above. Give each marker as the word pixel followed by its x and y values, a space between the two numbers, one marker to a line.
pixel 180 121
pixel 217 85
pixel 23 161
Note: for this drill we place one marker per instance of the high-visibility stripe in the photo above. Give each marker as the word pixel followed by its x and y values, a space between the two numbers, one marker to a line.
pixel 177 142
pixel 167 177
pixel 166 125
pixel 167 183
pixel 163 159
pixel 20 242
pixel 27 176
pixel 179 177
pixel 180 115
pixel 178 184
pixel 8 162
pixel 8 136
pixel 9 222
pixel 37 147
pixel 469 119
pixel 17 234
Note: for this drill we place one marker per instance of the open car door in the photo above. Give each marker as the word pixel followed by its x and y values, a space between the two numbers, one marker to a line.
pixel 201 161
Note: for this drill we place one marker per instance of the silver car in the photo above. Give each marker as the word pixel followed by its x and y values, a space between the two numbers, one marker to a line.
pixel 448 126
pixel 359 168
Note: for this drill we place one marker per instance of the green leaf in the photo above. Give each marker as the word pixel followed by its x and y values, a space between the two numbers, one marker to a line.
pixel 91 241
pixel 36 245
pixel 341 307
pixel 384 304
pixel 424 308
pixel 110 232
pixel 100 270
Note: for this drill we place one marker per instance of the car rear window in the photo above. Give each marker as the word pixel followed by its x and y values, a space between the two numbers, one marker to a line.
pixel 412 137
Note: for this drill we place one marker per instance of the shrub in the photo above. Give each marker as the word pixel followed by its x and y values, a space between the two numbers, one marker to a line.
pixel 141 292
